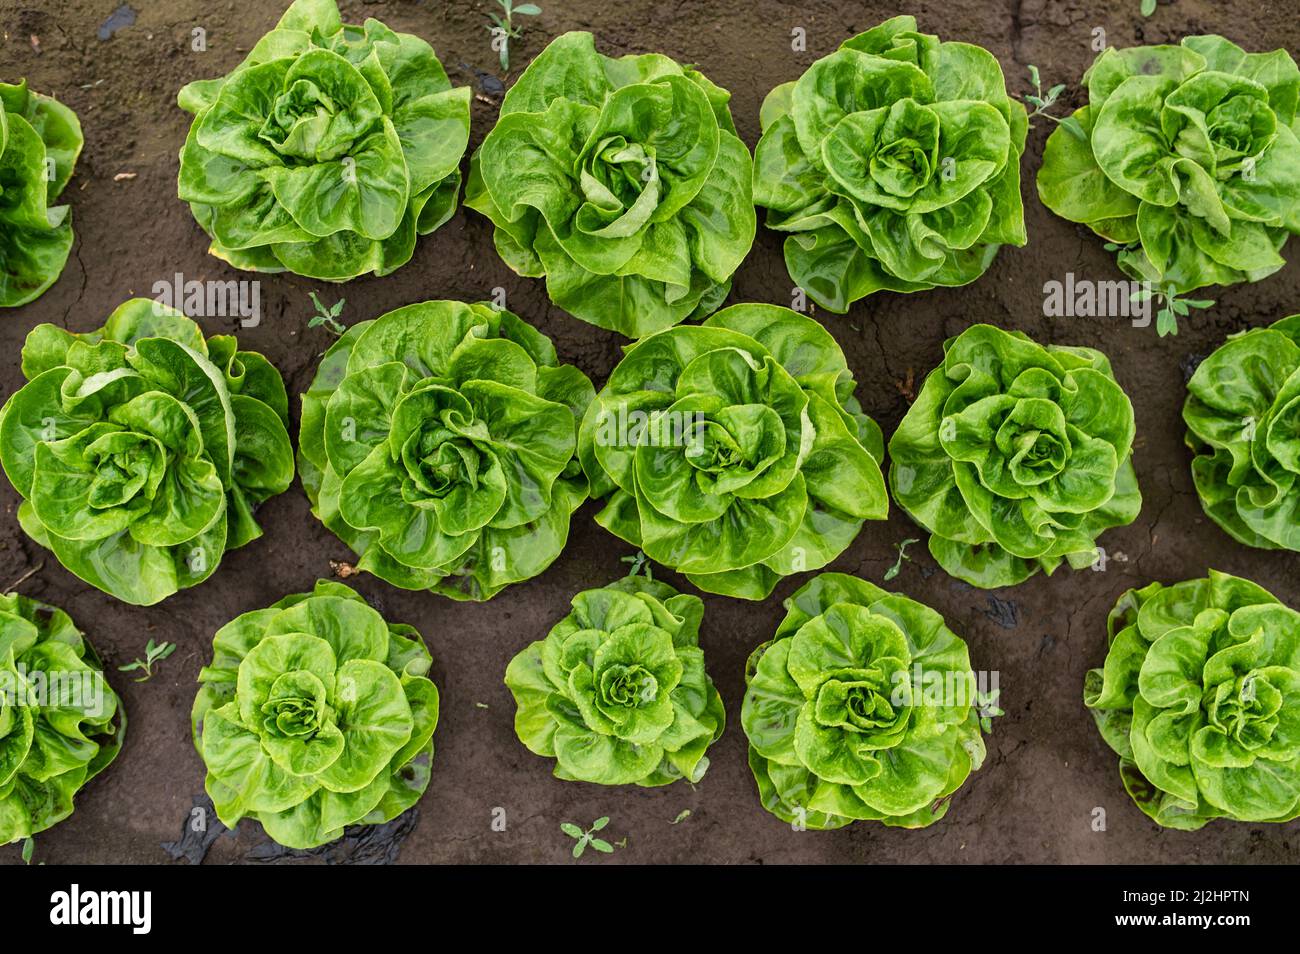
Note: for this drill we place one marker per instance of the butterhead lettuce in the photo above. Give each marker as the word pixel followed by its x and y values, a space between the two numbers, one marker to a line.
pixel 315 714
pixel 842 715
pixel 1015 457
pixel 327 151
pixel 893 164
pixel 617 692
pixel 40 140
pixel 61 723
pixel 142 449
pixel 1188 161
pixel 1199 697
pixel 622 182
pixel 439 442
pixel 735 451
pixel 1243 423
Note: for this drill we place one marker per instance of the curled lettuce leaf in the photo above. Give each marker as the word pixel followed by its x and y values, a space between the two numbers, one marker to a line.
pixel 141 450
pixel 315 714
pixel 1189 161
pixel 327 151
pixel 894 164
pixel 862 706
pixel 1015 457
pixel 1200 699
pixel 617 692
pixel 439 441
pixel 734 451
pixel 40 140
pixel 1243 423
pixel 61 723
pixel 622 182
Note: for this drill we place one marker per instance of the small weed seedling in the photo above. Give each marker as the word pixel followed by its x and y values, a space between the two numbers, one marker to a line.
pixel 894 570
pixel 504 29
pixel 639 562
pixel 684 814
pixel 1148 7
pixel 154 653
pixel 987 707
pixel 584 838
pixel 328 318
pixel 1171 306
pixel 29 846
pixel 1042 102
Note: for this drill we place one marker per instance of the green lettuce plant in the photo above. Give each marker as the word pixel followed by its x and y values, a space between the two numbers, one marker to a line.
pixel 61 724
pixel 1015 457
pixel 622 182
pixel 315 714
pixel 141 450
pixel 1200 698
pixel 734 451
pixel 862 706
pixel 438 442
pixel 1188 162
pixel 1243 423
pixel 40 140
pixel 327 151
pixel 894 164
pixel 617 692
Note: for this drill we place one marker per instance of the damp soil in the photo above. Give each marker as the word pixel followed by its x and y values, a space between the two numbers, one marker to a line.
pixel 1048 778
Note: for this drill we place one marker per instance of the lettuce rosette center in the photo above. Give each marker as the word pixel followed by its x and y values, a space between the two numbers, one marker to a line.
pixel 446 453
pixel 306 123
pixel 296 707
pixel 628 687
pixel 620 182
pixel 735 447
pixel 122 464
pixel 1219 120
pixel 1243 713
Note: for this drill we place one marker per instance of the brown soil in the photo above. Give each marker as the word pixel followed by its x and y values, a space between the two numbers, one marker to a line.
pixel 1047 771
